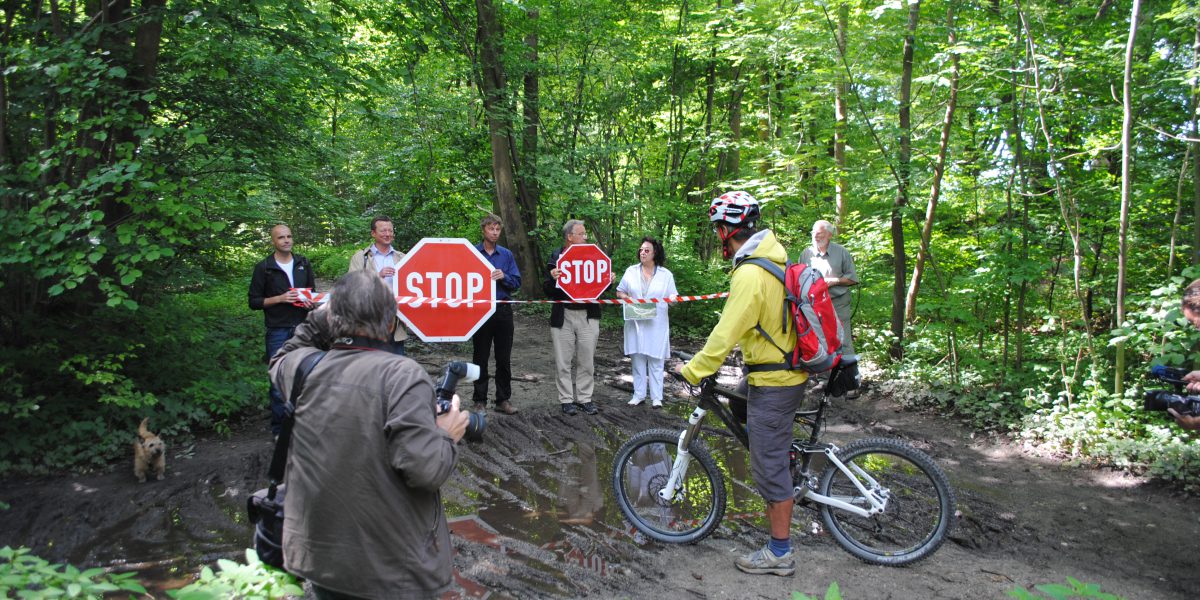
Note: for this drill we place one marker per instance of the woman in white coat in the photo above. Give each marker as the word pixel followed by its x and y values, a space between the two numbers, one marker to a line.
pixel 647 331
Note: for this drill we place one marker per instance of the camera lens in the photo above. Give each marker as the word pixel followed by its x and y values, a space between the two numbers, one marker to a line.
pixel 476 423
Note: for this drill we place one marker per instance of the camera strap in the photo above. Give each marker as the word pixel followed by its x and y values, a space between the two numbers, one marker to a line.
pixel 279 459
pixel 358 342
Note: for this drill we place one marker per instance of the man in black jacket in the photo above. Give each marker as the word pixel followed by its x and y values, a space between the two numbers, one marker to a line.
pixel 273 290
pixel 574 331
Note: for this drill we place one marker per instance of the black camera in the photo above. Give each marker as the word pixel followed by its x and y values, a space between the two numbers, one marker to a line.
pixel 1162 399
pixel 469 372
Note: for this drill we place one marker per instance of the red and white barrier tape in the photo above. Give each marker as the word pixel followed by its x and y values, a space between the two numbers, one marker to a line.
pixel 414 301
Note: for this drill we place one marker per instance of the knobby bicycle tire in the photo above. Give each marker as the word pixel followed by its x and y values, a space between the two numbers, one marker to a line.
pixel 642 467
pixel 920 506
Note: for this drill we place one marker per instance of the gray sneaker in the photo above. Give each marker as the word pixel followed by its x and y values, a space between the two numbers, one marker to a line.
pixel 764 562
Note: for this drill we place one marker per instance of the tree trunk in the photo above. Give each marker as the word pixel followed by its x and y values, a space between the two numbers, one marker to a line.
pixel 1126 190
pixel 144 45
pixel 494 87
pixel 1178 218
pixel 10 13
pixel 840 92
pixel 531 192
pixel 903 167
pixel 939 168
pixel 1196 153
pixel 1067 206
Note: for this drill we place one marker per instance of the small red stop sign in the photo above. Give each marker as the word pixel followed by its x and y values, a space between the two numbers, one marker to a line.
pixel 584 271
pixel 449 289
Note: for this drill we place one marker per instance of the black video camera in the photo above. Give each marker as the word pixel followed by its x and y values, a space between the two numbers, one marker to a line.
pixel 1161 400
pixel 456 370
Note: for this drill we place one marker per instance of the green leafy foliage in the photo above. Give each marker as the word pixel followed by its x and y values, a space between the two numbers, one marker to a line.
pixel 1057 591
pixel 136 190
pixel 23 575
pixel 198 365
pixel 833 592
pixel 252 580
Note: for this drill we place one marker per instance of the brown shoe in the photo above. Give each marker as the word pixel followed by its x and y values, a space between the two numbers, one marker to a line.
pixel 507 408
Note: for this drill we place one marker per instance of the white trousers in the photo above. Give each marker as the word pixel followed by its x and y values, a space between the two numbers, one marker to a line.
pixel 647 369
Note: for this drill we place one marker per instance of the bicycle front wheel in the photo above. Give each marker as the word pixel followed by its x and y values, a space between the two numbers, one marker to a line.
pixel 642 468
pixel 919 509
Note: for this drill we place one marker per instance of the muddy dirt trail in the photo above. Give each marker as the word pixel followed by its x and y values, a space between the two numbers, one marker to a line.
pixel 535 518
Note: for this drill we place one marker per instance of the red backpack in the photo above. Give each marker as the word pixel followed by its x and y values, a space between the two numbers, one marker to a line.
pixel 809 309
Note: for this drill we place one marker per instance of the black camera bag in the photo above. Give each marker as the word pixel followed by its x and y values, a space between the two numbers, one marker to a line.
pixel 265 506
pixel 843 377
pixel 266 514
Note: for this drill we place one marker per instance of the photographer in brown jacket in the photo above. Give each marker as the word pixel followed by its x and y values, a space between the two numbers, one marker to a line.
pixel 364 516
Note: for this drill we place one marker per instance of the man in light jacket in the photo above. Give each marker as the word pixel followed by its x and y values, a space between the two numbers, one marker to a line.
pixel 381 258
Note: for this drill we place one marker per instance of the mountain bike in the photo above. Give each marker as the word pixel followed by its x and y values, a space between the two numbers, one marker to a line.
pixel 883 501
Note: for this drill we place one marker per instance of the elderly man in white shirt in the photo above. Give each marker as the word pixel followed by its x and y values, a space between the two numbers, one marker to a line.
pixel 837 266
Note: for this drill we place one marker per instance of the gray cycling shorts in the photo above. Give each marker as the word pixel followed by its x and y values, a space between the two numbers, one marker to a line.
pixel 770 414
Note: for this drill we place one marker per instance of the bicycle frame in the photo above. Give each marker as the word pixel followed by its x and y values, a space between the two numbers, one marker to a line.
pixel 707 402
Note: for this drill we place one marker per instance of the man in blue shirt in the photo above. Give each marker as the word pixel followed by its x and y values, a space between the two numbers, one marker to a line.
pixel 499 328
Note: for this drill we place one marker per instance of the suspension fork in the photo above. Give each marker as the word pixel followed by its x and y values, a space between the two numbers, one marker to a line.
pixel 683 458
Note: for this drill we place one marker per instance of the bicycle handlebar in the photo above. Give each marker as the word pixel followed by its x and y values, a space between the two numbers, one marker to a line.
pixel 684 356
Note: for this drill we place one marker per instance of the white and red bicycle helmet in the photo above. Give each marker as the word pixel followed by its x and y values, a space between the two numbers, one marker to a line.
pixel 735 208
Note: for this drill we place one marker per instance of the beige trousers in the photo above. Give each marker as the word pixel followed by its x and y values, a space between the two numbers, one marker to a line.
pixel 574 356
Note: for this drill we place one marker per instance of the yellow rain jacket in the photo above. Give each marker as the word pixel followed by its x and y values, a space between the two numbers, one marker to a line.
pixel 755 298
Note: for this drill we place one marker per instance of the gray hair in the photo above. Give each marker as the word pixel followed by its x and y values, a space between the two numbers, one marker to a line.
pixel 361 305
pixel 1191 296
pixel 570 224
pixel 826 225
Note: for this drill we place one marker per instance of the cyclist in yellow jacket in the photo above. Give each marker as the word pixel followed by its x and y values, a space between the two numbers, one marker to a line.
pixel 756 297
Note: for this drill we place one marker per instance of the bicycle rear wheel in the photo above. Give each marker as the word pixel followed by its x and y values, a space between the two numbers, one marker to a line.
pixel 641 469
pixel 920 502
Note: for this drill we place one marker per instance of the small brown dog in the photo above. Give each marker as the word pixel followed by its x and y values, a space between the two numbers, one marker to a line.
pixel 149 452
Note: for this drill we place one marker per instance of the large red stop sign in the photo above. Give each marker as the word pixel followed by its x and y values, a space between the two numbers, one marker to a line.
pixel 449 289
pixel 584 271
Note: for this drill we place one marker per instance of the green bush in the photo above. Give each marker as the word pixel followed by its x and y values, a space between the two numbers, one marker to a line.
pixel 235 580
pixel 694 277
pixel 1057 591
pixel 188 360
pixel 23 575
pixel 330 262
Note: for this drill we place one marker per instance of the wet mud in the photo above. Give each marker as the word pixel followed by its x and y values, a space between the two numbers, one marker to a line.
pixel 533 516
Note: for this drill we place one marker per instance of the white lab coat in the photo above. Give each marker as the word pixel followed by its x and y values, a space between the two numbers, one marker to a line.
pixel 651 337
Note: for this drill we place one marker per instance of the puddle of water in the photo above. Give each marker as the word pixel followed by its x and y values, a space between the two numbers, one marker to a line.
pixel 567 507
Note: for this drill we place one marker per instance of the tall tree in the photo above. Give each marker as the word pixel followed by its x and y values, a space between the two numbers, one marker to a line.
pixel 939 169
pixel 841 90
pixel 529 187
pixel 1126 189
pixel 494 88
pixel 1195 120
pixel 904 166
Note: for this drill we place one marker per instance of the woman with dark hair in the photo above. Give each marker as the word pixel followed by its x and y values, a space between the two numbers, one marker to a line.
pixel 647 331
